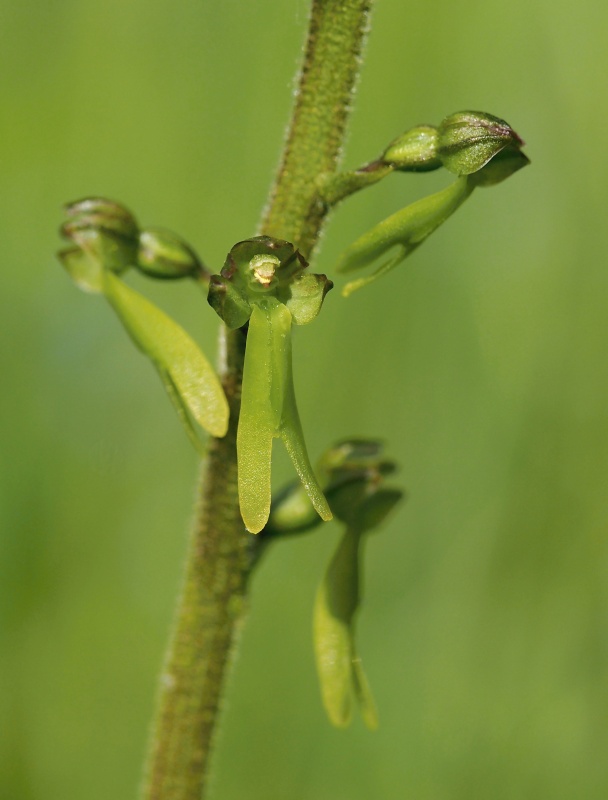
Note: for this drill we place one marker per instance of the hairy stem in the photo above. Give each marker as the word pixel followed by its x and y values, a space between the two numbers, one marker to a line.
pixel 210 607
pixel 221 553
pixel 318 125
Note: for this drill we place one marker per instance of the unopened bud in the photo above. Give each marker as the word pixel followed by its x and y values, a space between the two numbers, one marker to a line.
pixel 106 231
pixel 101 211
pixel 162 254
pixel 468 140
pixel 414 151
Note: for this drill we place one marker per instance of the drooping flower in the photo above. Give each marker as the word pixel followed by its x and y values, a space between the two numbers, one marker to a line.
pixel 480 149
pixel 106 241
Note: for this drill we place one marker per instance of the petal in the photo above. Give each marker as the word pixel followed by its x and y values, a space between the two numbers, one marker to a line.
pixel 228 301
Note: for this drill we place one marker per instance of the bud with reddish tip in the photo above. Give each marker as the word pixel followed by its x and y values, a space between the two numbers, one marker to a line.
pixel 469 140
pixel 104 230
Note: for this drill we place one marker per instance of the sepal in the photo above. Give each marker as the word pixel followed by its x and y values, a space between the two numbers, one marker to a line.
pixel 229 303
pixel 304 296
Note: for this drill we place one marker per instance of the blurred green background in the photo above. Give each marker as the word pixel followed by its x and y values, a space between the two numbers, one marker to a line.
pixel 482 363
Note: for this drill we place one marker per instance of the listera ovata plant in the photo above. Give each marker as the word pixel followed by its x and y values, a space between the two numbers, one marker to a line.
pixel 263 288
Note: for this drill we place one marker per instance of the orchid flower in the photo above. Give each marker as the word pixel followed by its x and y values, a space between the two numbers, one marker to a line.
pixel 263 285
pixel 480 149
pixel 106 242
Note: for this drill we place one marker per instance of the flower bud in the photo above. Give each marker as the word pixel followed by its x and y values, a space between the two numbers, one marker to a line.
pixel 468 140
pixel 414 151
pixel 99 210
pixel 104 230
pixel 162 254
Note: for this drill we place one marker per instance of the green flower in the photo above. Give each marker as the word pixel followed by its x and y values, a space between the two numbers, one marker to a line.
pixel 352 474
pixel 263 283
pixel 105 242
pixel 355 472
pixel 480 149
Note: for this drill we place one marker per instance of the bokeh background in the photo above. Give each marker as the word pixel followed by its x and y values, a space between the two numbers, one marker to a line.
pixel 482 362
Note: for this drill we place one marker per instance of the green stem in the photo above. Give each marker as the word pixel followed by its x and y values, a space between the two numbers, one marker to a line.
pixel 221 552
pixel 211 604
pixel 335 188
pixel 318 124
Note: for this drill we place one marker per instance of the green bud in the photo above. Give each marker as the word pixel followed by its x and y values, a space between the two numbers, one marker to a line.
pixel 104 230
pixel 468 140
pixel 414 151
pixel 104 214
pixel 162 254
